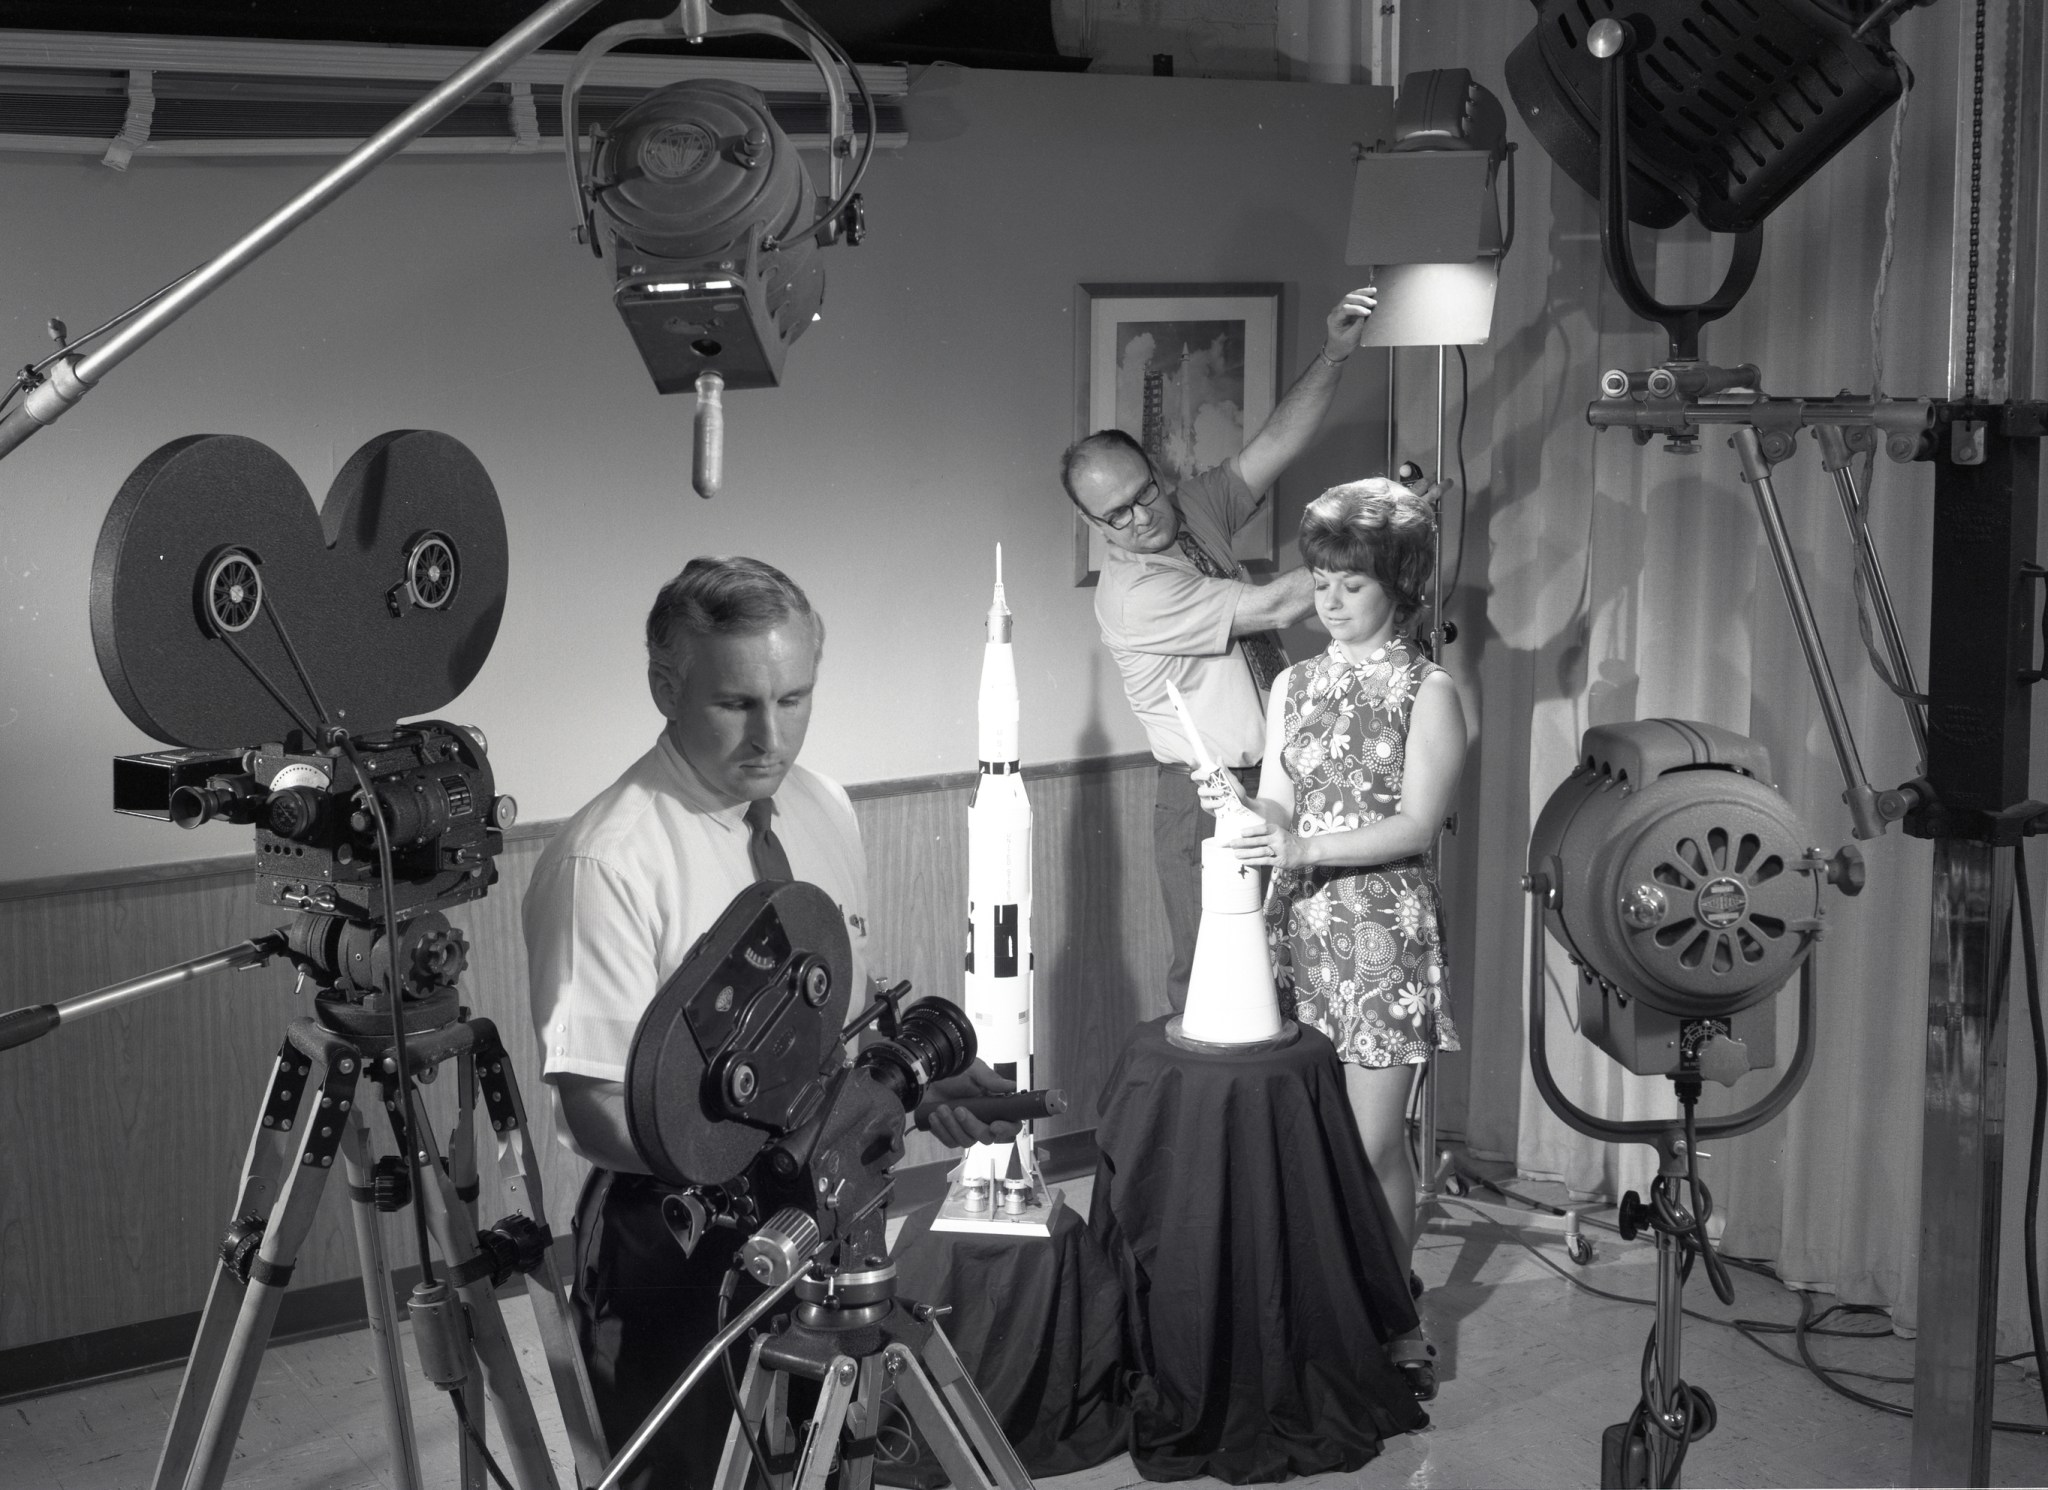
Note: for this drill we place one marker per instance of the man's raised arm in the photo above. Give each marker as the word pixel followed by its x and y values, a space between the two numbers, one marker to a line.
pixel 1299 414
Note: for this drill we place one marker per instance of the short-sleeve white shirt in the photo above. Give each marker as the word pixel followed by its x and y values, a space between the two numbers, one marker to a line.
pixel 629 884
pixel 1165 621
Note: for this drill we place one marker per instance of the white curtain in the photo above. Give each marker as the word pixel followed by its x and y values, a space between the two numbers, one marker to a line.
pixel 1606 581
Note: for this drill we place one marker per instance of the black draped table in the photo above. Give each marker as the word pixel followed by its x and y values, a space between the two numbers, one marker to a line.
pixel 1258 1263
pixel 1038 1323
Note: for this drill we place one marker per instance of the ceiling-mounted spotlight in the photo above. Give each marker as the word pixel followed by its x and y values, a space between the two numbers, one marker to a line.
pixel 710 214
pixel 1730 107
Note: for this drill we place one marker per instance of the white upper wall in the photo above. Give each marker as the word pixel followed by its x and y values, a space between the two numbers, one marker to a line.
pixel 920 421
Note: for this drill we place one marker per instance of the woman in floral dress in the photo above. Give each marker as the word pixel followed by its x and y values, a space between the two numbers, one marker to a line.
pixel 1372 738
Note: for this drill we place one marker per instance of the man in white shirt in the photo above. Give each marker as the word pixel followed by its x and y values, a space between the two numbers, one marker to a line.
pixel 617 901
pixel 1174 606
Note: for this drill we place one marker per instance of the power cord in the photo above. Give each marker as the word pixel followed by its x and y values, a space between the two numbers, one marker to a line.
pixel 1749 1329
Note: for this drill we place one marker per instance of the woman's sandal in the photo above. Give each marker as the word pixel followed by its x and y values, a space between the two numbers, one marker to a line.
pixel 1415 1358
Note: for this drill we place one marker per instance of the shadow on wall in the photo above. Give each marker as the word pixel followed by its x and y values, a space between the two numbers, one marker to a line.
pixel 1090 986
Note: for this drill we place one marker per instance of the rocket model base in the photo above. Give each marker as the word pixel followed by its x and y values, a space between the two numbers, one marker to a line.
pixel 1035 1220
pixel 1289 1033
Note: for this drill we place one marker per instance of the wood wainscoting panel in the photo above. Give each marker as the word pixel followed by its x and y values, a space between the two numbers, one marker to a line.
pixel 125 1133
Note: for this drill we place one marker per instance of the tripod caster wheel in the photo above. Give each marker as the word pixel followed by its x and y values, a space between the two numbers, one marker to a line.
pixel 1458 1185
pixel 1579 1248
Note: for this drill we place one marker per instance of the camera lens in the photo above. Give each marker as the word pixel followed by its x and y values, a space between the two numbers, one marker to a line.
pixel 941 1035
pixel 934 1040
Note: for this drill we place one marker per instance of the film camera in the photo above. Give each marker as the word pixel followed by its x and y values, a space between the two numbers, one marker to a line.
pixel 739 1094
pixel 739 1059
pixel 278 648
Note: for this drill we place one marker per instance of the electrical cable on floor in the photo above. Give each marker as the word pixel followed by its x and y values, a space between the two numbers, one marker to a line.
pixel 1800 1330
pixel 469 1428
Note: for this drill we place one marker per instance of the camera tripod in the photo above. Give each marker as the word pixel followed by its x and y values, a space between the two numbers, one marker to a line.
pixel 310 1113
pixel 852 1336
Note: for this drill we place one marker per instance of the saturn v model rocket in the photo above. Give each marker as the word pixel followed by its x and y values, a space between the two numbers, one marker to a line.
pixel 999 961
pixel 999 864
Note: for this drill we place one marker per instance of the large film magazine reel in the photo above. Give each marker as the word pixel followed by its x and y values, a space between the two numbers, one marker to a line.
pixel 740 1096
pixel 1684 889
pixel 274 647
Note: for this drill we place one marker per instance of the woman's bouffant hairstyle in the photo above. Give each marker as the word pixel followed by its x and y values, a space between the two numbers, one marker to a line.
pixel 1374 527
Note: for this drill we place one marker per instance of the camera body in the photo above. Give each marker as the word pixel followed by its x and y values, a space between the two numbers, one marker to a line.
pixel 316 842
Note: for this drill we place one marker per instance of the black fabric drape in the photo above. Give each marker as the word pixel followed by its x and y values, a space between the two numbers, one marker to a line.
pixel 1039 1326
pixel 1260 1276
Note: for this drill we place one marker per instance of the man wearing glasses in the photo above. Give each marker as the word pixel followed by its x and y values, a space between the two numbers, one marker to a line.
pixel 1174 606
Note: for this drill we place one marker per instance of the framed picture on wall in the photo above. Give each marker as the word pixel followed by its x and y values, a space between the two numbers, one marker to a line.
pixel 1190 372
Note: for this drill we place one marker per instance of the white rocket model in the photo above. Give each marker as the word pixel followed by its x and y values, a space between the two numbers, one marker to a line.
pixel 999 947
pixel 999 864
pixel 1231 1000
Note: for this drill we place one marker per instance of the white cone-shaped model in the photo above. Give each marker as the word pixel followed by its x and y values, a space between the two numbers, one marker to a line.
pixel 1231 998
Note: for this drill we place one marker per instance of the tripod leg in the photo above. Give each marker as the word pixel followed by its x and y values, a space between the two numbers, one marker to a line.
pixel 320 1131
pixel 260 1177
pixel 863 1422
pixel 764 1405
pixel 383 1316
pixel 471 1279
pixel 942 1418
pixel 461 1171
pixel 519 1170
pixel 821 1449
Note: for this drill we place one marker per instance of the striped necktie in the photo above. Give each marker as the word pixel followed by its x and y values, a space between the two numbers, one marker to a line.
pixel 1263 653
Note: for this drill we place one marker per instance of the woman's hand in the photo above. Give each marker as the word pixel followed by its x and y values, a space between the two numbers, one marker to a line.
pixel 1269 844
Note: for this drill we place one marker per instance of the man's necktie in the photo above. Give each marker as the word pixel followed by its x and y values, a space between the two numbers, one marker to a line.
pixel 1263 653
pixel 763 847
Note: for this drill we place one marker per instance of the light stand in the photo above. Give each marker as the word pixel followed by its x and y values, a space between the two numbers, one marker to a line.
pixel 1649 1448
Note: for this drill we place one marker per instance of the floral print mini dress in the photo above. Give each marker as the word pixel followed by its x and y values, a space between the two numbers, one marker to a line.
pixel 1357 952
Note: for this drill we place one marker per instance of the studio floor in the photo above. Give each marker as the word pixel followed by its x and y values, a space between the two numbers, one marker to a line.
pixel 1533 1368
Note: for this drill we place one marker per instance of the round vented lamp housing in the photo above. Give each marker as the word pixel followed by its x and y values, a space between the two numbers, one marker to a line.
pixel 1682 879
pixel 698 189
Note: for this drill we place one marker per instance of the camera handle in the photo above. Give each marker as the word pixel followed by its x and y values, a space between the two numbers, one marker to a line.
pixel 887 1007
pixel 20 1026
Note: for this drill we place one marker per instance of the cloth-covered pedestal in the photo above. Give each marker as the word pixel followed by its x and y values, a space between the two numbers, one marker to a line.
pixel 1260 1277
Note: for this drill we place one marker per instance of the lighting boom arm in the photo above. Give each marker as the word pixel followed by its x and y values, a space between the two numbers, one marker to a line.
pixel 72 377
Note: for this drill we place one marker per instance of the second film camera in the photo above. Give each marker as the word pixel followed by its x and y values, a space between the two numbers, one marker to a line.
pixel 276 647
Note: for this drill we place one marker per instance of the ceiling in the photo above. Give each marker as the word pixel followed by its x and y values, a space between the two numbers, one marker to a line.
pixel 977 33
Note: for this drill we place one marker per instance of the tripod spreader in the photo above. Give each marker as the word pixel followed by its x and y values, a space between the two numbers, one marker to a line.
pixel 19 1026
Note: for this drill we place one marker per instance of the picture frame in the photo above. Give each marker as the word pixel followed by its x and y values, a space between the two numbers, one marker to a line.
pixel 1190 371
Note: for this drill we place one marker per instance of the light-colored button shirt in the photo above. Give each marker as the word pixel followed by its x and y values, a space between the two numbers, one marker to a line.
pixel 629 884
pixel 1164 620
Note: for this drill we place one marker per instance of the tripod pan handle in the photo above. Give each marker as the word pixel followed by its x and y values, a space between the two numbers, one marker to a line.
pixel 19 1026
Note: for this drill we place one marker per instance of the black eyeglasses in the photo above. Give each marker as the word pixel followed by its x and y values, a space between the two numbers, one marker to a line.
pixel 1120 516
